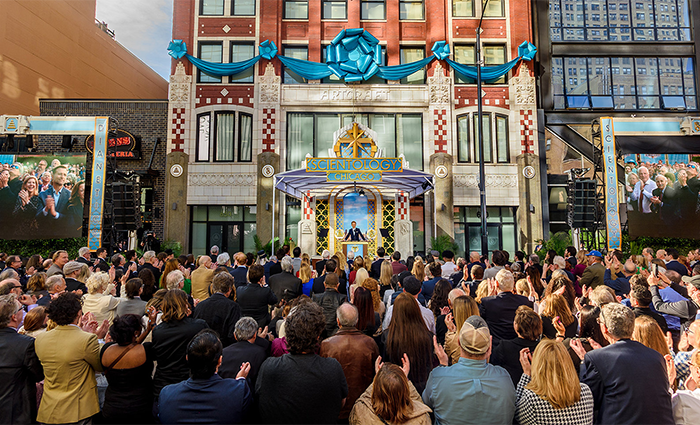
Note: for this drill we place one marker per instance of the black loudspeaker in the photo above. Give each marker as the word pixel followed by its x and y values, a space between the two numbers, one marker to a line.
pixel 384 233
pixel 582 204
pixel 10 142
pixel 125 206
pixel 322 233
pixel 67 142
pixel 29 142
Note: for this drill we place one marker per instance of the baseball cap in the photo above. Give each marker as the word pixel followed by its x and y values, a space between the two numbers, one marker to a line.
pixel 694 280
pixel 474 337
pixel 434 253
pixel 71 267
pixel 594 253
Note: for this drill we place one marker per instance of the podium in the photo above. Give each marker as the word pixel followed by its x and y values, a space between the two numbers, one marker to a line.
pixel 359 248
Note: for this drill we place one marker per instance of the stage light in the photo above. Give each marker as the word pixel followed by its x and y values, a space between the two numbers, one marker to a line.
pixel 426 185
pixel 362 192
pixel 10 142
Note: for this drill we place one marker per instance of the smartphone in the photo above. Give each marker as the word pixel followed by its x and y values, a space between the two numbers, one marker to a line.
pixel 654 270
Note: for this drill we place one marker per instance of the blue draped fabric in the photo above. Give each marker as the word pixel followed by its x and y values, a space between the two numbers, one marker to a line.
pixel 307 69
pixel 398 72
pixel 222 69
pixel 488 73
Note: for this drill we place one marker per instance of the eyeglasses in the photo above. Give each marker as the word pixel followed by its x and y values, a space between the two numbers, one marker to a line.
pixel 21 308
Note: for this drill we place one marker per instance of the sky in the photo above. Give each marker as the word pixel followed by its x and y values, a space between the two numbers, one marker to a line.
pixel 142 26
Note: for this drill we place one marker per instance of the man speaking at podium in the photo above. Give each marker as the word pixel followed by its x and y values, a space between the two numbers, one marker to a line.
pixel 354 234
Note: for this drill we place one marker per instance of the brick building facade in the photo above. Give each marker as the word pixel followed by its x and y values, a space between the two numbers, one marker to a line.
pixel 217 181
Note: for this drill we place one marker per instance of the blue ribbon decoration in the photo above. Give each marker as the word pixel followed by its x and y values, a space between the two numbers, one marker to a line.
pixel 307 69
pixel 526 51
pixel 178 49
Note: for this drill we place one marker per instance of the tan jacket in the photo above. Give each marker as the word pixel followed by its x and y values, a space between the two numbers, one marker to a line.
pixel 201 279
pixel 452 346
pixel 70 358
pixel 363 413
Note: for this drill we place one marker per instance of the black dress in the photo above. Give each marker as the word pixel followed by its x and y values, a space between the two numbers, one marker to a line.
pixel 129 395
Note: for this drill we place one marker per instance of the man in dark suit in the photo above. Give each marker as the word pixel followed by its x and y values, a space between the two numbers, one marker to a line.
pixel 20 368
pixel 240 273
pixel 220 313
pixel 376 267
pixel 285 285
pixel 256 297
pixel 354 234
pixel 84 256
pixel 499 310
pixel 686 196
pixel 151 262
pixel 318 286
pixel 206 396
pixel 321 264
pixel 101 263
pixel 673 263
pixel 276 268
pixel 664 201
pixel 244 350
pixel 54 201
pixel 623 395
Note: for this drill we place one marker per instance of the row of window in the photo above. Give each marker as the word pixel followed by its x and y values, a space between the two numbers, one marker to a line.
pixel 369 9
pixel 226 136
pixel 495 136
pixel 212 51
pixel 623 83
pixel 619 20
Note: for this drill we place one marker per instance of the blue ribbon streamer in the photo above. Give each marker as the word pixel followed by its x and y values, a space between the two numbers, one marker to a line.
pixel 307 69
pixel 398 72
pixel 222 69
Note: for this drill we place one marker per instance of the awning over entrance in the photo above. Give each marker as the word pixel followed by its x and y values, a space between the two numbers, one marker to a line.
pixel 297 183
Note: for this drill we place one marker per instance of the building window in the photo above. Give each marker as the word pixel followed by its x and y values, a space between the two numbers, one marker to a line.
pixel 227 138
pixel 313 133
pixel 210 52
pixel 243 7
pixel 495 55
pixel 292 218
pixel 495 8
pixel 413 54
pixel 294 9
pixel 373 9
pixel 500 223
pixel 211 7
pixel 463 8
pixel 296 52
pixel 492 54
pixel 239 53
pixel 636 86
pixel 231 227
pixel 410 10
pixel 335 9
pixel 492 125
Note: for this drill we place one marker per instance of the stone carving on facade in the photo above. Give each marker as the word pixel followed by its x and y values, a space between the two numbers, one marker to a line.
pixel 404 228
pixel 439 87
pixel 270 85
pixel 492 180
pixel 524 86
pixel 180 85
pixel 218 179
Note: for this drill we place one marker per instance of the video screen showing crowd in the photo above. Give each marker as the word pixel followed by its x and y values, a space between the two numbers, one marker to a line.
pixel 41 197
pixel 662 198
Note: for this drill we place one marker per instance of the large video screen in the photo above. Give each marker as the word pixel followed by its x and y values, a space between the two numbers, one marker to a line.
pixel 661 191
pixel 41 196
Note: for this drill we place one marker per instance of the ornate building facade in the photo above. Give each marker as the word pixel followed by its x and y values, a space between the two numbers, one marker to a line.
pixel 229 137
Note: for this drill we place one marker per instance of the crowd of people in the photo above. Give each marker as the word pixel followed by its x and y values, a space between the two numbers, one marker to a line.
pixel 579 338
pixel 42 199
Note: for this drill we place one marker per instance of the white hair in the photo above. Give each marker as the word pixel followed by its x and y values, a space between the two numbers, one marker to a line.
pixel 287 264
pixel 173 280
pixel 326 254
pixel 223 259
pixel 505 280
pixel 84 250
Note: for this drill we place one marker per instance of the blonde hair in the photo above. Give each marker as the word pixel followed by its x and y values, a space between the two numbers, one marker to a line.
pixel 581 256
pixel 554 378
pixel 482 291
pixel 522 288
pixel 386 272
pixel 36 181
pixel 305 273
pixel 84 274
pixel 97 283
pixel 556 305
pixel 342 260
pixel 602 294
pixel 373 287
pixel 464 307
pixel 418 270
pixel 648 332
pixel 360 276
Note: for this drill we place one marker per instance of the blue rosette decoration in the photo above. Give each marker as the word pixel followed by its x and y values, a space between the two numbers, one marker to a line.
pixel 177 49
pixel 354 55
pixel 267 49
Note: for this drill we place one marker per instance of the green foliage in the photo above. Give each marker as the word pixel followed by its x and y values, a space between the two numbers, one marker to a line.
pixel 557 241
pixel 176 246
pixel 44 247
pixel 636 246
pixel 443 243
pixel 267 247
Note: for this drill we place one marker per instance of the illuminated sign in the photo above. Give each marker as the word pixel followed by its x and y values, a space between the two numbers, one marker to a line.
pixel 121 145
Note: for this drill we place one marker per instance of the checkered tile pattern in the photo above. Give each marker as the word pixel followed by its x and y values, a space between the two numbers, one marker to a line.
pixel 268 129
pixel 527 131
pixel 440 125
pixel 307 211
pixel 402 206
pixel 178 129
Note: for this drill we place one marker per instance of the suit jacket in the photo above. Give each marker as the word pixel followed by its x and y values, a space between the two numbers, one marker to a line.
pixel 240 276
pixel 677 267
pixel 201 279
pixel 356 353
pixel 254 301
pixel 376 269
pixel 20 370
pixel 623 395
pixel 238 353
pixel 354 234
pixel 47 223
pixel 221 314
pixel 155 270
pixel 319 285
pixel 687 200
pixel 668 208
pixel 499 313
pixel 593 276
pixel 70 358
pixel 285 286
